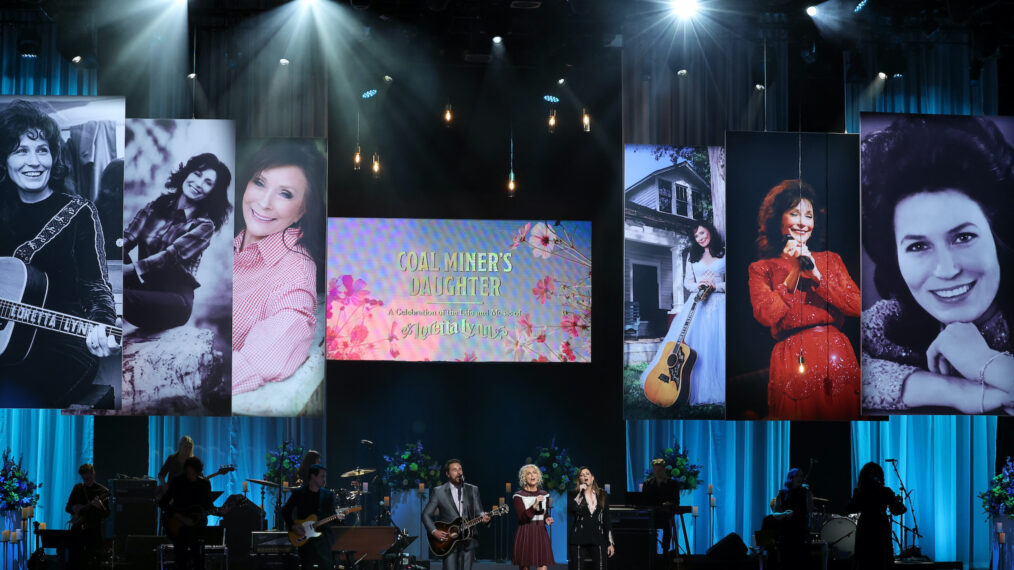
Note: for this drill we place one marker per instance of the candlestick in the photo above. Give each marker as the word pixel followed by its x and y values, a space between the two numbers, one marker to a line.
pixel 6 536
pixel 24 513
pixel 366 486
pixel 24 524
pixel 711 489
pixel 285 484
pixel 501 501
pixel 607 488
pixel 244 486
pixel 1002 538
pixel 999 526
pixel 508 487
pixel 387 501
pixel 713 503
pixel 42 526
pixel 640 487
pixel 694 512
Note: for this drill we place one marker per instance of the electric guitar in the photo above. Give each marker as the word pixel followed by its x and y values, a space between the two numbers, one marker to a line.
pixel 161 489
pixel 23 291
pixel 458 530
pixel 186 518
pixel 310 525
pixel 669 380
pixel 80 519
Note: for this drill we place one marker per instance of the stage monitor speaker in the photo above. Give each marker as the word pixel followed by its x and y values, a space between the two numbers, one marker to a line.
pixel 731 547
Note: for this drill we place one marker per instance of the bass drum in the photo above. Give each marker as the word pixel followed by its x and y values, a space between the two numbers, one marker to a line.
pixel 840 535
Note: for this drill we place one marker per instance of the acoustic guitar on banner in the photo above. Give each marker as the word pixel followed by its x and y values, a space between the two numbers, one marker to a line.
pixel 458 530
pixel 668 382
pixel 23 292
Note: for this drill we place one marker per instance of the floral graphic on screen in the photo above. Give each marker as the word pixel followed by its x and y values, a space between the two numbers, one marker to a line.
pixel 554 341
pixel 349 310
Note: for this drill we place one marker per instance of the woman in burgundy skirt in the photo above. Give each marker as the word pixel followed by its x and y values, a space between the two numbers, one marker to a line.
pixel 532 505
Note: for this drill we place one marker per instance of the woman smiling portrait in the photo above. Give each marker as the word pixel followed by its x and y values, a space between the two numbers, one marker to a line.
pixel 936 196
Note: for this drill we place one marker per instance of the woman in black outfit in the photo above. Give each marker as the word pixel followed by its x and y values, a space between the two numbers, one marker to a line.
pixel 794 497
pixel 590 532
pixel 871 499
pixel 171 233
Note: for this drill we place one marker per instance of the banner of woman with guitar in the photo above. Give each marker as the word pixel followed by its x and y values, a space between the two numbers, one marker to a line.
pixel 674 261
pixel 61 193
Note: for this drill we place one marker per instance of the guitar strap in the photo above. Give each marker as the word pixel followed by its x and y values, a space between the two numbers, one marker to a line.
pixel 26 251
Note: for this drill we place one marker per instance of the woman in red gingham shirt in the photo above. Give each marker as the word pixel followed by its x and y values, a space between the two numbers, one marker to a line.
pixel 277 255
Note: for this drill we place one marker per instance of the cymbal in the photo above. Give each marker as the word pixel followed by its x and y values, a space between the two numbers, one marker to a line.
pixel 357 472
pixel 263 482
pixel 819 500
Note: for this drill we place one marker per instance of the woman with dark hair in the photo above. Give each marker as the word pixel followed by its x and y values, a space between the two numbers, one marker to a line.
pixel 706 335
pixel 171 233
pixel 936 209
pixel 803 297
pixel 871 499
pixel 310 458
pixel 796 500
pixel 590 531
pixel 277 254
pixel 58 234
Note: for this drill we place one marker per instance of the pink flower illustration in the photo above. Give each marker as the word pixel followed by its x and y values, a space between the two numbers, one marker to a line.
pixel 544 289
pixel 541 358
pixel 514 345
pixel 542 240
pixel 541 337
pixel 519 238
pixel 570 324
pixel 525 322
pixel 469 357
pixel 567 352
pixel 355 291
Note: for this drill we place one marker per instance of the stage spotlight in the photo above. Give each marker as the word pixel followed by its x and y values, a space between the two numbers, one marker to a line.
pixel 759 87
pixel 684 9
pixel 369 93
pixel 552 120
pixel 882 75
pixel 283 62
pixel 897 76
pixel 551 99
pixel 585 121
pixel 376 165
pixel 561 81
pixel 860 6
pixel 682 73
pixel 498 40
pixel 76 59
pixel 811 11
pixel 388 79
pixel 357 159
pixel 192 75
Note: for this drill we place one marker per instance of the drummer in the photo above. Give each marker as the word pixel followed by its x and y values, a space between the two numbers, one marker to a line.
pixel 794 533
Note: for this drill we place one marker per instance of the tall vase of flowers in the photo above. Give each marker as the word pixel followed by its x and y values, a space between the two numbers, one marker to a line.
pixel 408 474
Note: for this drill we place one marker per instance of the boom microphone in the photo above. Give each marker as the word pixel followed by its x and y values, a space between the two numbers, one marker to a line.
pixel 805 263
pixel 891 460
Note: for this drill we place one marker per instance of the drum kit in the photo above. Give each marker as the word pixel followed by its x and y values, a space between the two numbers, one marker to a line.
pixel 351 496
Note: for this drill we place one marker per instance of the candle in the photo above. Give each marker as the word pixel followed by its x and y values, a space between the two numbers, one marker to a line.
pixel 42 526
pixel 387 501
pixel 366 487
pixel 713 503
pixel 16 536
pixel 607 488
pixel 501 501
pixel 640 487
pixel 999 526
pixel 508 487
pixel 244 486
pixel 711 489
pixel 1002 538
pixel 695 512
pixel 24 512
pixel 422 487
pixel 285 484
pixel 31 511
pixel 6 536
pixel 24 524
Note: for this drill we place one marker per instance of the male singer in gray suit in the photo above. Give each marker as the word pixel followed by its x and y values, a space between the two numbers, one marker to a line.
pixel 454 499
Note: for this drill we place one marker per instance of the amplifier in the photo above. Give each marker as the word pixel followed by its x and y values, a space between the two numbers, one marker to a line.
pixel 133 490
pixel 270 542
pixel 288 561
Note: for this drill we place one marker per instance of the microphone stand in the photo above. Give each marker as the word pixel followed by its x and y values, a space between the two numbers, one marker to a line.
pixel 911 552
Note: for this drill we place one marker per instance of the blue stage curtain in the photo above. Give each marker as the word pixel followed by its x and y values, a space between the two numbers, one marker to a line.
pixel 48 74
pixel 52 446
pixel 240 441
pixel 946 461
pixel 745 461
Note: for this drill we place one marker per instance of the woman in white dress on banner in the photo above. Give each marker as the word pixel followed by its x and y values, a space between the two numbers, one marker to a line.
pixel 707 331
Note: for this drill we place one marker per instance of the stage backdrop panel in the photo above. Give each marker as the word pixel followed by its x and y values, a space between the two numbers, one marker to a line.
pixel 71 184
pixel 278 278
pixel 673 201
pixel 793 333
pixel 937 296
pixel 459 290
pixel 177 285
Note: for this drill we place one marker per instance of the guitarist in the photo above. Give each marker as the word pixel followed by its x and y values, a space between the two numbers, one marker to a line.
pixel 185 506
pixel 454 499
pixel 312 499
pixel 58 233
pixel 89 506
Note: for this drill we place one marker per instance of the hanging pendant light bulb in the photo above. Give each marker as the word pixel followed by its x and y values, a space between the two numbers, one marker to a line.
pixel 376 165
pixel 511 184
pixel 357 159
pixel 802 362
pixel 585 121
pixel 448 115
pixel 552 120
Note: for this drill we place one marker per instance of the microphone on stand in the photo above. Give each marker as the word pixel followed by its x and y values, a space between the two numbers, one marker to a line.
pixel 891 460
pixel 805 263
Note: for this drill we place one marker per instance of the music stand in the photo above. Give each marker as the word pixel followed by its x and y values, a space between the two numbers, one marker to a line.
pixel 368 541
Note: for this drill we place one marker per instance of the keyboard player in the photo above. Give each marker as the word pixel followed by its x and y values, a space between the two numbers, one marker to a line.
pixel 663 494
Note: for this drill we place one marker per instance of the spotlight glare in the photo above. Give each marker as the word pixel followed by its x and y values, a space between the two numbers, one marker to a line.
pixel 388 79
pixel 561 81
pixel 882 75
pixel 283 62
pixel 585 121
pixel 369 93
pixel 76 59
pixel 551 98
pixel 860 6
pixel 684 9
pixel 192 75
pixel 897 76
pixel 759 87
pixel 682 73
pixel 811 11
pixel 498 39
